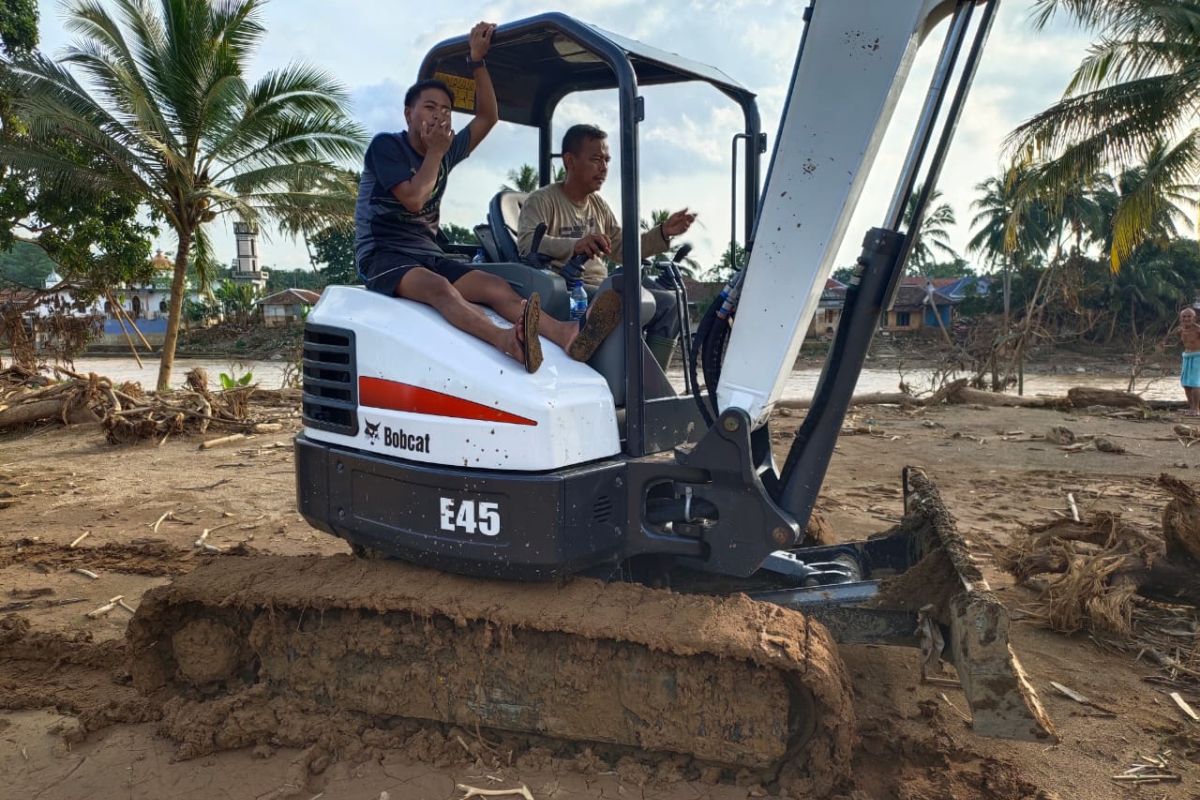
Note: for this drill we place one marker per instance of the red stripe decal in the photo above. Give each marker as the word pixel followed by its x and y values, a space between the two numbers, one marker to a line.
pixel 379 393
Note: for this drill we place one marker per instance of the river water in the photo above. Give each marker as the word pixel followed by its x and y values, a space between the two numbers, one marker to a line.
pixel 801 383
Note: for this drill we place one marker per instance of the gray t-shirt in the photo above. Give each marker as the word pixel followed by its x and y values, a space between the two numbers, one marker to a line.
pixel 381 222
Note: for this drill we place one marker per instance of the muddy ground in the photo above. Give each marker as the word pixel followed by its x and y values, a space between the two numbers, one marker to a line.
pixel 62 682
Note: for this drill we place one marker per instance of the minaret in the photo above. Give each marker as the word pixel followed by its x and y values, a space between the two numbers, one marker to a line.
pixel 247 269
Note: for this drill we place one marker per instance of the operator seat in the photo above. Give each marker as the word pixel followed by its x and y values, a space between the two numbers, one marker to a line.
pixel 504 217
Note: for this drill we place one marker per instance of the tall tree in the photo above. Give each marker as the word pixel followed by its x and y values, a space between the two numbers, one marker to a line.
pixel 1135 98
pixel 172 109
pixel 933 240
pixel 1008 231
pixel 334 247
pixel 92 234
pixel 525 179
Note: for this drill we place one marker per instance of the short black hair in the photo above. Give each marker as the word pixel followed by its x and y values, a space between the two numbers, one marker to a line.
pixel 576 135
pixel 414 91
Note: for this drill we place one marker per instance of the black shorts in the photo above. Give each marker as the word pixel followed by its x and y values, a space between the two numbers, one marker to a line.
pixel 382 272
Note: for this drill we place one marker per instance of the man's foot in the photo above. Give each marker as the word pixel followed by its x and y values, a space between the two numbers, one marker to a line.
pixel 527 334
pixel 602 318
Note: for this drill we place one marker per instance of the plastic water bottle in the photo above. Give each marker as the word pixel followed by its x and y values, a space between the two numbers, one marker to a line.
pixel 579 300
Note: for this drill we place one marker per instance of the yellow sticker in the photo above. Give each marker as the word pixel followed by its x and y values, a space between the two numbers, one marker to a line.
pixel 463 88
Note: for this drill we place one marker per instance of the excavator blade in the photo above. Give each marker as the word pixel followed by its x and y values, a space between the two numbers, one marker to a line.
pixel 726 680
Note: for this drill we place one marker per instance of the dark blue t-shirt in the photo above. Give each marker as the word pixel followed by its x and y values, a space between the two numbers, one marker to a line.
pixel 381 222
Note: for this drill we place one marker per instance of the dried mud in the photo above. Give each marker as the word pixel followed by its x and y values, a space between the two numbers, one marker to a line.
pixel 152 557
pixel 730 682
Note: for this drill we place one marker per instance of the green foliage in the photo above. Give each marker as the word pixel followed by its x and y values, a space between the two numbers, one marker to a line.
pixel 1133 101
pixel 334 247
pixel 176 124
pixel 525 178
pixel 733 259
pixel 200 310
pixel 234 381
pixel 280 279
pixel 458 234
pixel 25 265
pixel 18 26
pixel 933 239
pixel 237 299
pixel 91 233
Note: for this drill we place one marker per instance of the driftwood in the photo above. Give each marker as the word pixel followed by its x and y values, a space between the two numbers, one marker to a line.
pixel 890 398
pixel 958 392
pixel 126 412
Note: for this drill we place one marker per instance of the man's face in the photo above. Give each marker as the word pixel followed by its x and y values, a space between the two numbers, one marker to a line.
pixel 431 107
pixel 1187 316
pixel 589 167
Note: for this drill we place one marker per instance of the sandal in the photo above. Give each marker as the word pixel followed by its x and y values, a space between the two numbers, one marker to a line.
pixel 531 347
pixel 602 318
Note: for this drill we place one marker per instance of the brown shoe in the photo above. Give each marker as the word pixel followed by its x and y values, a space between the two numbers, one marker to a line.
pixel 602 318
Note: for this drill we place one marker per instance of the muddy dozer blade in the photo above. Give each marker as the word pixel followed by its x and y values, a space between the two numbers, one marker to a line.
pixel 729 681
pixel 917 585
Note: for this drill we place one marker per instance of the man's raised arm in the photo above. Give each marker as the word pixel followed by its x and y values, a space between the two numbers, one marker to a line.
pixel 487 111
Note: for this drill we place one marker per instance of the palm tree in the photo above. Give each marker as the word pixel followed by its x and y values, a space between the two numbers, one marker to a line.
pixel 1137 90
pixel 689 266
pixel 934 237
pixel 1007 232
pixel 525 179
pixel 172 110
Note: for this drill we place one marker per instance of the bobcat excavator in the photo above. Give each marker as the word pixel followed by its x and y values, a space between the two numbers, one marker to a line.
pixel 583 553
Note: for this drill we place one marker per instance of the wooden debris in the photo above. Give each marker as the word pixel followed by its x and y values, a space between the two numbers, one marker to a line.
pixel 211 443
pixel 87 573
pixel 267 427
pixel 1184 707
pixel 1074 508
pixel 471 791
pixel 165 516
pixel 96 613
pixel 1081 699
pixel 80 538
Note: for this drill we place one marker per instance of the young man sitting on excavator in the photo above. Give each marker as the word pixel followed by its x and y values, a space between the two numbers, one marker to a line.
pixel 579 222
pixel 396 225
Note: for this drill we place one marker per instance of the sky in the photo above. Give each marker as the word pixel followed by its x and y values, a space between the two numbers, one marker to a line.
pixel 374 48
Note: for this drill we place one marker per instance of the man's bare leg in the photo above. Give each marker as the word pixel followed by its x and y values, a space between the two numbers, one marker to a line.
pixel 428 287
pixel 495 293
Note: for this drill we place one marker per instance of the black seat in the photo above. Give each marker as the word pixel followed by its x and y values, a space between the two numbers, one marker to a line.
pixel 504 216
pixel 498 238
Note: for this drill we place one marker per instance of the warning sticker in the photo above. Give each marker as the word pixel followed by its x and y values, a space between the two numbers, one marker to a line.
pixel 463 88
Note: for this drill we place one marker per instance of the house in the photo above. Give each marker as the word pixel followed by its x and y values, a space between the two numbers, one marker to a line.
pixel 287 306
pixel 919 303
pixel 829 309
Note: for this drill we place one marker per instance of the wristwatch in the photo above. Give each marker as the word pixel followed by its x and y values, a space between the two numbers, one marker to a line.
pixel 473 65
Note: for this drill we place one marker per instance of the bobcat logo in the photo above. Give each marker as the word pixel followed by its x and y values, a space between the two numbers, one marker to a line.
pixel 372 431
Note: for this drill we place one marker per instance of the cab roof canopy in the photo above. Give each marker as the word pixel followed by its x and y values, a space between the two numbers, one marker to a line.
pixel 537 61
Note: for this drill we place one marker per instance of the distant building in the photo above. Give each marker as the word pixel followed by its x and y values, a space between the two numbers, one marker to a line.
pixel 287 306
pixel 246 268
pixel 829 310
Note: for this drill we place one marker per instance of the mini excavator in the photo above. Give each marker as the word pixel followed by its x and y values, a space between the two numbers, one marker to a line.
pixel 588 552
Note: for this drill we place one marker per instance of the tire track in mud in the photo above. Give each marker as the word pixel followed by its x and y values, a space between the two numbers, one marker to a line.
pixel 153 557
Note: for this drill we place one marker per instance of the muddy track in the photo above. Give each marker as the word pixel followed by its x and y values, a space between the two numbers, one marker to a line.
pixel 152 557
pixel 70 673
pixel 386 639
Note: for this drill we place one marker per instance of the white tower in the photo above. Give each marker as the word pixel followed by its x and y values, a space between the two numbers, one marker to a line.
pixel 247 269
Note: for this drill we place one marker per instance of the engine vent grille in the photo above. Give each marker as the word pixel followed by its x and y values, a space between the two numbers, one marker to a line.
pixel 330 380
pixel 602 510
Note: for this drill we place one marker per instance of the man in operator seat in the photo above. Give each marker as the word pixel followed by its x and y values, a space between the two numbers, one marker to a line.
pixel 397 216
pixel 579 222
